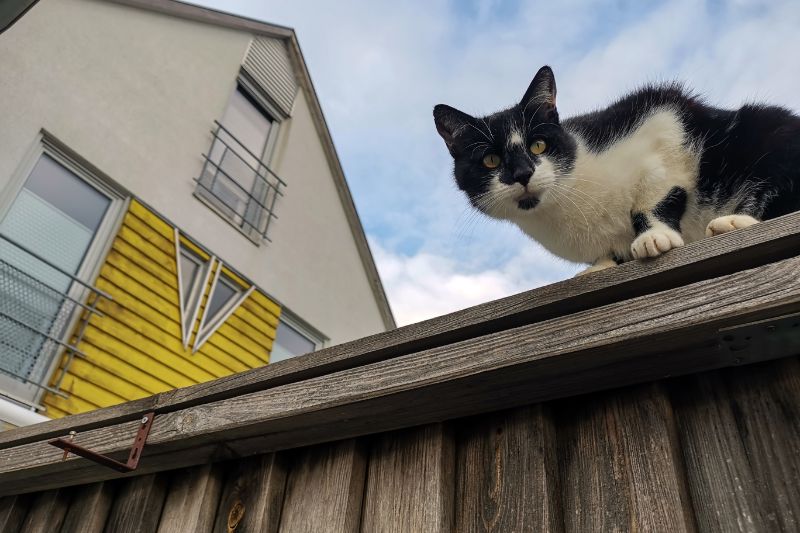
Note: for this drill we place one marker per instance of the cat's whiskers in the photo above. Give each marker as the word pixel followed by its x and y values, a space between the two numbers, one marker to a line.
pixel 591 202
pixel 578 208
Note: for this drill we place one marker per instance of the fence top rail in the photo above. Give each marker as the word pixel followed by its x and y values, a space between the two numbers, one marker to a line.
pixel 769 242
pixel 745 317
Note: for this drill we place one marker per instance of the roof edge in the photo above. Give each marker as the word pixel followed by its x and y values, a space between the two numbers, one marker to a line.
pixel 220 18
pixel 209 16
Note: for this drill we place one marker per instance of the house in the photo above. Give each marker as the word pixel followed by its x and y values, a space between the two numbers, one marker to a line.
pixel 172 207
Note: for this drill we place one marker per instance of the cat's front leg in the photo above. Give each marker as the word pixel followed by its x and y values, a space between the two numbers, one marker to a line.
pixel 658 230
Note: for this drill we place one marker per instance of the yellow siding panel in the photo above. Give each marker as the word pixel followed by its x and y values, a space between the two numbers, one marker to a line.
pixel 97 375
pixel 164 369
pixel 166 271
pixel 254 331
pixel 129 236
pixel 135 349
pixel 267 305
pixel 70 405
pixel 252 313
pixel 54 412
pixel 156 223
pixel 123 300
pixel 139 293
pixel 125 370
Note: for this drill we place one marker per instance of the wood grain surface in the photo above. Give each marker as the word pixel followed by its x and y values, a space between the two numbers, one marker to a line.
pixel 758 245
pixel 507 478
pixel 410 482
pixel 647 338
pixel 191 502
pixel 618 463
pixel 325 489
pixel 252 496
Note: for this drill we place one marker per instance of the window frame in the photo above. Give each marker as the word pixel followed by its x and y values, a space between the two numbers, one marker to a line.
pixel 256 97
pixel 209 325
pixel 304 328
pixel 47 144
pixel 199 284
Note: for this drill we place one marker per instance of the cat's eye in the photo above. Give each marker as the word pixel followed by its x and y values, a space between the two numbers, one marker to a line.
pixel 491 160
pixel 538 147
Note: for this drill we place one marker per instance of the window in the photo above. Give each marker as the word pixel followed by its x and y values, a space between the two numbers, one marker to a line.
pixel 226 295
pixel 236 179
pixel 193 274
pixel 225 291
pixel 292 339
pixel 51 236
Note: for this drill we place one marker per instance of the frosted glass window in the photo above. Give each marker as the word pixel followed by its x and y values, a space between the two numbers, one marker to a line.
pixel 55 215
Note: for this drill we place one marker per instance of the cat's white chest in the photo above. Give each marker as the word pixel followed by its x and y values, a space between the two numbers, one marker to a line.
pixel 586 215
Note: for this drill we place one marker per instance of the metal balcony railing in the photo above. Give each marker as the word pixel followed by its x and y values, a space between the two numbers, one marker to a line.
pixel 239 184
pixel 40 321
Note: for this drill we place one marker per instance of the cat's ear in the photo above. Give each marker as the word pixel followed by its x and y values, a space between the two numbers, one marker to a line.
pixel 449 122
pixel 542 89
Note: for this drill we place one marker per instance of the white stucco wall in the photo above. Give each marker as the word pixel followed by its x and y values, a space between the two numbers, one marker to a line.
pixel 135 93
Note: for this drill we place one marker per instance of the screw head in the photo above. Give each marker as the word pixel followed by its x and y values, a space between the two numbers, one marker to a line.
pixel 144 420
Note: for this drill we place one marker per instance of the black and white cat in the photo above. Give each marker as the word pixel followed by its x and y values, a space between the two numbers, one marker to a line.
pixel 654 170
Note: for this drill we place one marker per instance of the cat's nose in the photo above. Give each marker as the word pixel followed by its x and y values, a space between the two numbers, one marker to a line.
pixel 522 175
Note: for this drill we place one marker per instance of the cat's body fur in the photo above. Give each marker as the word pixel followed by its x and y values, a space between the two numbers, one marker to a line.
pixel 654 170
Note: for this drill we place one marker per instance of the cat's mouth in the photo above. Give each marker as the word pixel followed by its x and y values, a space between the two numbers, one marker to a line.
pixel 527 201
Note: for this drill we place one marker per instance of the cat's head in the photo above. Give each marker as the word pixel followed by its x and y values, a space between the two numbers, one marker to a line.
pixel 507 162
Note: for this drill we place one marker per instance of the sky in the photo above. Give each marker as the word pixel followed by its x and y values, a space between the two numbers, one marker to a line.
pixel 379 67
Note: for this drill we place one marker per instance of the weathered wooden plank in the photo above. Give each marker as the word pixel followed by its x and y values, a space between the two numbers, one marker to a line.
pixel 758 245
pixel 719 476
pixel 766 408
pixel 325 489
pixel 507 477
pixel 410 482
pixel 639 340
pixel 619 463
pixel 47 511
pixel 252 496
pixel 13 510
pixel 137 505
pixel 192 500
pixel 89 508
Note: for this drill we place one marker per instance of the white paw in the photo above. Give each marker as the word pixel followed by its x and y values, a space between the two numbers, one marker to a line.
pixel 728 223
pixel 655 242
pixel 597 267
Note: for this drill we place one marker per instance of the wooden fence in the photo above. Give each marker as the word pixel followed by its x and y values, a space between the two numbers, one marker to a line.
pixel 655 396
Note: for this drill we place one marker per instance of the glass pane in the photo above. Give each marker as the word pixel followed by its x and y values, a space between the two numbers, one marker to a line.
pixel 55 215
pixel 65 191
pixel 247 123
pixel 289 342
pixel 236 156
pixel 190 269
pixel 223 293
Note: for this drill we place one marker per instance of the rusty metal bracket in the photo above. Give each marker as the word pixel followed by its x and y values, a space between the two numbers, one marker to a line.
pixel 133 458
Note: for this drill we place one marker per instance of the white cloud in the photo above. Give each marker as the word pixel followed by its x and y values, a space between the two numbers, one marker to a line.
pixel 426 285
